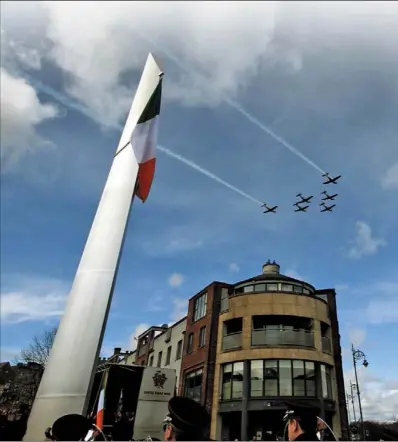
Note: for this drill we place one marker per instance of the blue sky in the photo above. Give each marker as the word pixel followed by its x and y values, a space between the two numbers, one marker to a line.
pixel 324 77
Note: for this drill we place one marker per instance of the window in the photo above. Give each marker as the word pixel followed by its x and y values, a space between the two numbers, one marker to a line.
pixel 168 355
pixel 179 350
pixel 226 381
pixel 256 378
pixel 190 343
pixel 298 289
pixel 224 300
pixel 237 380
pixel 272 287
pixel 248 289
pixel 326 381
pixel 232 381
pixel 202 337
pixel 193 385
pixel 160 359
pixel 151 361
pixel 271 378
pixel 200 306
pixel 298 378
pixel 259 287
pixel 306 292
pixel 310 379
pixel 285 378
pixel 286 288
pixel 168 335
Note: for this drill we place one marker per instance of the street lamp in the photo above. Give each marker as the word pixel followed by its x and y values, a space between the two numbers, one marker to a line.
pixel 358 355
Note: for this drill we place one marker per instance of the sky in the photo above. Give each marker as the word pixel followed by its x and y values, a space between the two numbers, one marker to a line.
pixel 259 99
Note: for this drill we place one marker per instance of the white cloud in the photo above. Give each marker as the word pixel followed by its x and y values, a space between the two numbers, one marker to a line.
pixel 180 308
pixel 364 244
pixel 357 336
pixel 21 113
pixel 32 299
pixel 139 329
pixel 390 179
pixel 175 280
pixel 378 302
pixel 233 267
pixel 113 40
pixel 379 396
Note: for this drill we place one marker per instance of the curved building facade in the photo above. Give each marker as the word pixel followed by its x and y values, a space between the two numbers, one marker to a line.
pixel 245 350
pixel 274 345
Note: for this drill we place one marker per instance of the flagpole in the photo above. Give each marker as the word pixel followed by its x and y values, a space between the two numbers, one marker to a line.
pixel 69 374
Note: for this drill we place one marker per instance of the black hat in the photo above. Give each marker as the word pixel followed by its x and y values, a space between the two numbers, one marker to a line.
pixel 186 415
pixel 304 413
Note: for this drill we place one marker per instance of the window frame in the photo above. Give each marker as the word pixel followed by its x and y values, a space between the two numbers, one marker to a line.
pixel 278 378
pixel 231 398
pixel 224 305
pixel 202 337
pixel 179 349
pixel 191 374
pixel 159 361
pixel 168 356
pixel 190 343
pixel 199 303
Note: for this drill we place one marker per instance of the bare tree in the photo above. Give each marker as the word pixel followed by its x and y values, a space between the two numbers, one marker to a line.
pixel 39 349
pixel 19 383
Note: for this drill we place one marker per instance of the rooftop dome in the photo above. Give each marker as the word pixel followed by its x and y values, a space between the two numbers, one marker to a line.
pixel 271 271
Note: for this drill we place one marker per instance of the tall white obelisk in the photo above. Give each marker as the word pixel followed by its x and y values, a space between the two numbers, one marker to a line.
pixel 68 377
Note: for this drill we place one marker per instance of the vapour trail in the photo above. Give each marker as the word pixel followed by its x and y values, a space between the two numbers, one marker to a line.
pixel 208 174
pixel 67 102
pixel 244 112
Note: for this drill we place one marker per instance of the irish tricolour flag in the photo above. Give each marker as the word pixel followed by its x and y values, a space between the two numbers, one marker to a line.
pixel 99 421
pixel 141 130
pixel 144 141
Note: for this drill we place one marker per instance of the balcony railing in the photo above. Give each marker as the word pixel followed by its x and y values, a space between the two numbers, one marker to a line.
pixel 233 340
pixel 298 338
pixel 326 344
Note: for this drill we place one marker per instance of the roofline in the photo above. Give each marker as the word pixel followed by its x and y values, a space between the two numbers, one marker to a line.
pixel 162 332
pixel 209 285
pixel 326 291
pixel 288 278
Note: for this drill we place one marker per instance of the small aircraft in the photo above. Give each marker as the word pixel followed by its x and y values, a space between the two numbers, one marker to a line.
pixel 327 208
pixel 330 179
pixel 303 198
pixel 329 197
pixel 269 209
pixel 301 209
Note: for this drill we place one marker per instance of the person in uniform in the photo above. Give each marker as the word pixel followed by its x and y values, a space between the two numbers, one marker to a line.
pixel 301 422
pixel 186 420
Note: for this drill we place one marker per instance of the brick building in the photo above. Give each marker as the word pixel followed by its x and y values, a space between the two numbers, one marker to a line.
pixel 249 347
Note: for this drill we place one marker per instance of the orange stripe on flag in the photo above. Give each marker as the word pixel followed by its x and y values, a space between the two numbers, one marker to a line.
pixel 146 172
pixel 99 421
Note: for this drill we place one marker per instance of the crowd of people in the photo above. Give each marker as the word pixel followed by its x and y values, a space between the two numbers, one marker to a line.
pixel 187 420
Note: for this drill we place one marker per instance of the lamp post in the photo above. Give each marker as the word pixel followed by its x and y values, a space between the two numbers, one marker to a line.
pixel 358 355
pixel 352 397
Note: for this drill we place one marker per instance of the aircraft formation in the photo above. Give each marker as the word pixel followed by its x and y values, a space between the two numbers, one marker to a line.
pixel 304 203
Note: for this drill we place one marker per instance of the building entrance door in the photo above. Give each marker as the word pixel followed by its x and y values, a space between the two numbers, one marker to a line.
pixel 231 428
pixel 266 424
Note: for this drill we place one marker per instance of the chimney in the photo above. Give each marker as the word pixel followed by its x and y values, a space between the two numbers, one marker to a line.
pixel 271 267
pixel 117 350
